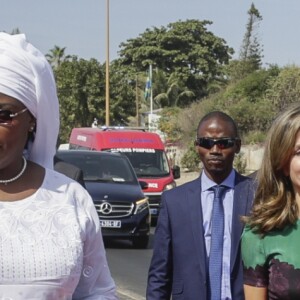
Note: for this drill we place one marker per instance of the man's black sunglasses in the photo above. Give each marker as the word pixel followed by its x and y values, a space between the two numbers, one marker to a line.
pixel 222 143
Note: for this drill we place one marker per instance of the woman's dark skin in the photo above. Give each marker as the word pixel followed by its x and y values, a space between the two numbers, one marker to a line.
pixel 13 138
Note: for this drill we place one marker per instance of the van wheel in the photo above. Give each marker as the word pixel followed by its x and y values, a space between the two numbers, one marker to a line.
pixel 140 242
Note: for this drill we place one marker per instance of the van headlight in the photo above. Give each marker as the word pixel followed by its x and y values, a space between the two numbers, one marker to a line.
pixel 170 186
pixel 141 205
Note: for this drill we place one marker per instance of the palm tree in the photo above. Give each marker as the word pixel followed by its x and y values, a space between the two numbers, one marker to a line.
pixel 15 31
pixel 57 56
pixel 172 92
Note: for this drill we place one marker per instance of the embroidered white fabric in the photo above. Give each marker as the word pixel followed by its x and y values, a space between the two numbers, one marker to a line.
pixel 51 246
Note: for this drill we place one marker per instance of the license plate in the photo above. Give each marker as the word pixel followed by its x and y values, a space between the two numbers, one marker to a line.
pixel 153 211
pixel 110 224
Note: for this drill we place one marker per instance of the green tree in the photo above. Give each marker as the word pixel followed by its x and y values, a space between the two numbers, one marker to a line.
pixel 250 57
pixel 191 159
pixel 175 93
pixel 16 31
pixel 122 94
pixel 251 50
pixel 168 124
pixel 245 100
pixel 185 50
pixel 252 87
pixel 284 89
pixel 57 56
pixel 80 91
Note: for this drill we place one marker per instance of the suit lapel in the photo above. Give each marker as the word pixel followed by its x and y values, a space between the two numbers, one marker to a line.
pixel 195 210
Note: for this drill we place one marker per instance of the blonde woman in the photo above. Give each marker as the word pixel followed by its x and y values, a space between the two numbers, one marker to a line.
pixel 271 240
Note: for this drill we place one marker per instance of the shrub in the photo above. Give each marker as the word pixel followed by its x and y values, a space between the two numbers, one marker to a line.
pixel 239 163
pixel 190 159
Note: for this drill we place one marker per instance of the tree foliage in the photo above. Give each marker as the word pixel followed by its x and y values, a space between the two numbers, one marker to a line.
pixel 185 50
pixel 284 89
pixel 56 56
pixel 168 124
pixel 174 94
pixel 251 51
pixel 190 159
pixel 191 77
pixel 252 87
pixel 250 58
pixel 14 31
pixel 123 94
pixel 245 100
pixel 81 93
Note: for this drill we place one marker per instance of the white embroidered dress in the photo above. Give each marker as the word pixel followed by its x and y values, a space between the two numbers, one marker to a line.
pixel 51 246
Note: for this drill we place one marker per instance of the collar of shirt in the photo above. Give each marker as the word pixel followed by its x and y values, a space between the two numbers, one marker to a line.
pixel 207 183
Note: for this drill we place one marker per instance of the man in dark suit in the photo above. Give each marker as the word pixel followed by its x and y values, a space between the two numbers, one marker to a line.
pixel 68 170
pixel 181 265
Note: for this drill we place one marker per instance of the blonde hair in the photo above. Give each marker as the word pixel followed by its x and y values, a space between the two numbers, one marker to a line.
pixel 274 204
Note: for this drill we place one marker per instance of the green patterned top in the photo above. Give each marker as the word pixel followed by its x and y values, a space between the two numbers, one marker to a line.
pixel 273 261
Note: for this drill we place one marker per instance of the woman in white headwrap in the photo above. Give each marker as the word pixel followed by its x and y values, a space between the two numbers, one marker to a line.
pixel 51 245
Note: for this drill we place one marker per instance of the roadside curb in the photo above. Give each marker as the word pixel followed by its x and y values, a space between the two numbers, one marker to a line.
pixel 126 295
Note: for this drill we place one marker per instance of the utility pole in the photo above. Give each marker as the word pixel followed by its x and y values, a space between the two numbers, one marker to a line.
pixel 107 66
pixel 137 102
pixel 150 117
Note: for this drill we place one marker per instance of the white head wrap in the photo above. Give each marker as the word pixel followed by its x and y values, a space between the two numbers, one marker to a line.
pixel 26 75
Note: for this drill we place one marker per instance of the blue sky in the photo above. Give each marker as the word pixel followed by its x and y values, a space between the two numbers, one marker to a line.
pixel 80 25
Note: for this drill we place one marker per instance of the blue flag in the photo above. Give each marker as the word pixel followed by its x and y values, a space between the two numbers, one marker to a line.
pixel 147 88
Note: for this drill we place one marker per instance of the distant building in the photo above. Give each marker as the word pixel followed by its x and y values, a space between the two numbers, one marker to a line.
pixel 150 121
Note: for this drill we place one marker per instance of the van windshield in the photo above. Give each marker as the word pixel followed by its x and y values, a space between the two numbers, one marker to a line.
pixel 147 162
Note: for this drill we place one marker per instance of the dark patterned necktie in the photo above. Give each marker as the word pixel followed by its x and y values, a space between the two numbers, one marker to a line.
pixel 216 246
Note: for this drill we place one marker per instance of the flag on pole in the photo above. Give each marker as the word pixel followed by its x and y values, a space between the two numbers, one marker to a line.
pixel 148 94
pixel 148 86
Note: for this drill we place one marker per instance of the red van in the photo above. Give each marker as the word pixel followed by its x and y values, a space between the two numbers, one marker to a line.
pixel 145 150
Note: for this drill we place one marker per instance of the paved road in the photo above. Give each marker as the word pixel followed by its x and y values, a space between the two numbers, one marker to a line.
pixel 129 268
